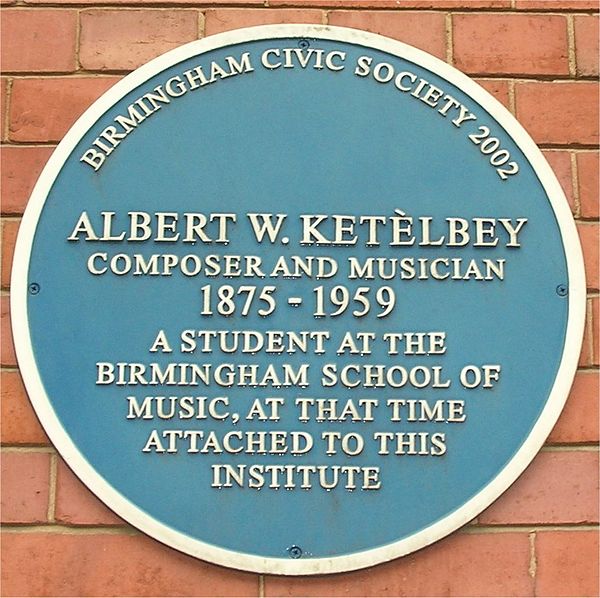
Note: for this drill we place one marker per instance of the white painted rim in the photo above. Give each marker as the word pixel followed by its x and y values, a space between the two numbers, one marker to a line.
pixel 182 542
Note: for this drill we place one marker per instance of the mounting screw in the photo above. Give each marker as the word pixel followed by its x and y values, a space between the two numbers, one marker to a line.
pixel 562 290
pixel 303 44
pixel 34 288
pixel 295 552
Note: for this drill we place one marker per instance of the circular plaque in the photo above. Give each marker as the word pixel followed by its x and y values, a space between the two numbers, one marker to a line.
pixel 297 299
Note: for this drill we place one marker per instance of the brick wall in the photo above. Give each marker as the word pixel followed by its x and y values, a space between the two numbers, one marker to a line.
pixel 539 58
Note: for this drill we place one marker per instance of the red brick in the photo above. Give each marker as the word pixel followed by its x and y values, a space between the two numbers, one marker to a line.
pixel 19 422
pixel 146 2
pixel 589 235
pixel 586 44
pixel 560 162
pixel 559 112
pixel 7 348
pixel 76 505
pixel 126 39
pixel 556 4
pixel 467 4
pixel 38 564
pixel 589 183
pixel 3 104
pixel 579 419
pixel 567 563
pixel 44 109
pixel 596 330
pixel 498 88
pixel 461 565
pixel 39 40
pixel 493 43
pixel 9 237
pixel 225 19
pixel 424 30
pixel 557 488
pixel 25 484
pixel 21 167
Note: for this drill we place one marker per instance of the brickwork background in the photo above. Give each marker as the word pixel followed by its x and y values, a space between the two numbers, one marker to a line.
pixel 540 59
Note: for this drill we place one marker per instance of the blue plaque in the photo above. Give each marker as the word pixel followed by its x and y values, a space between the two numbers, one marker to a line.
pixel 297 299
